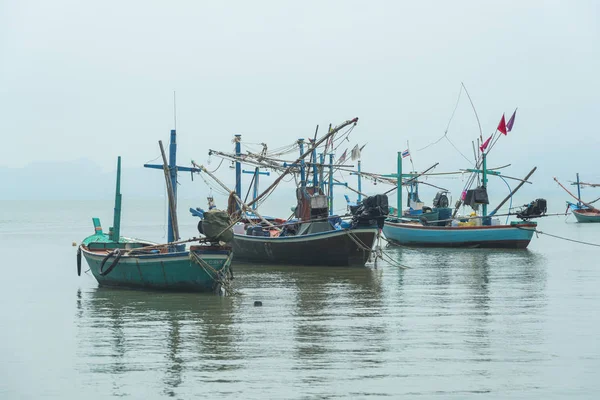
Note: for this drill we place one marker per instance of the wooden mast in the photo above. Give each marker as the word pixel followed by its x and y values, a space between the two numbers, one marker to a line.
pixel 116 231
pixel 173 224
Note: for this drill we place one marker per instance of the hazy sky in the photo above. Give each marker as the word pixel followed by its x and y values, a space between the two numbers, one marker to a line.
pixel 81 79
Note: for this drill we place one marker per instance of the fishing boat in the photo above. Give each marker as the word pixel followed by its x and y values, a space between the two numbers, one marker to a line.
pixel 313 239
pixel 313 236
pixel 586 215
pixel 118 261
pixel 583 212
pixel 483 230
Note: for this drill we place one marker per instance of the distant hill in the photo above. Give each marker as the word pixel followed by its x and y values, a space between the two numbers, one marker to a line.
pixel 74 180
pixel 84 180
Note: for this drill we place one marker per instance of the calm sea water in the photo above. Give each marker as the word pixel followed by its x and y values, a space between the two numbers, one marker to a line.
pixel 459 323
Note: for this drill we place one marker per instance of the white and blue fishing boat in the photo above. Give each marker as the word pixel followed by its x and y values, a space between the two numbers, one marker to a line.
pixel 482 230
pixel 583 212
pixel 118 261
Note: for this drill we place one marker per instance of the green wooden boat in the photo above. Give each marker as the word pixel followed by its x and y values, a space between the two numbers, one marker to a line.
pixel 135 263
pixel 119 261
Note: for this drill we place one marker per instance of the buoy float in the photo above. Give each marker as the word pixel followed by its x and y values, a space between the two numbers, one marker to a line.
pixel 257 303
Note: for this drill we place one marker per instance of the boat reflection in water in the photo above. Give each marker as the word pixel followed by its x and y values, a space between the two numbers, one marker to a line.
pixel 476 310
pixel 466 316
pixel 161 335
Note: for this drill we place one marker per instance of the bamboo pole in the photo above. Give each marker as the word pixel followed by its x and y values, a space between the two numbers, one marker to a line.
pixel 513 192
pixel 170 193
pixel 575 197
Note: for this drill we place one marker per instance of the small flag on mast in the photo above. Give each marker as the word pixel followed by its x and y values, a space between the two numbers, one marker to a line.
pixel 355 153
pixel 484 145
pixel 405 153
pixel 329 143
pixel 343 157
pixel 511 121
pixel 502 125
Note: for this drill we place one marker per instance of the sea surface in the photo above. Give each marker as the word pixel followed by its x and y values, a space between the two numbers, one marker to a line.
pixel 456 324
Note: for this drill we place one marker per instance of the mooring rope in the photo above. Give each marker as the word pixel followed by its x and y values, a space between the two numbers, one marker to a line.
pixel 218 276
pixel 560 237
pixel 361 245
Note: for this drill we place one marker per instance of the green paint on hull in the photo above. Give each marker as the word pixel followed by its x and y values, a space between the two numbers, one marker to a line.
pixel 170 271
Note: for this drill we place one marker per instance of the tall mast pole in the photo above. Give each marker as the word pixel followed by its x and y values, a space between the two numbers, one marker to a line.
pixel 399 194
pixel 302 164
pixel 314 166
pixel 484 185
pixel 255 188
pixel 238 167
pixel 116 233
pixel 170 170
pixel 331 184
pixel 578 191
pixel 359 182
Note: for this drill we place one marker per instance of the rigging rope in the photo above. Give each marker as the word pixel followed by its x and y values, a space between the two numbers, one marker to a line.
pixel 447 126
pixel 219 166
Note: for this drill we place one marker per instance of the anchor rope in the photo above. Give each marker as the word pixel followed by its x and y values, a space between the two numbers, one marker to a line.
pixel 216 276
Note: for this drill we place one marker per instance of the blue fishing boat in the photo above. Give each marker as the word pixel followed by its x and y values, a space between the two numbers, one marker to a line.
pixel 517 235
pixel 474 231
pixel 119 261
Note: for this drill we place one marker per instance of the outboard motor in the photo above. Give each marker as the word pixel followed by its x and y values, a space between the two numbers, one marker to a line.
pixel 535 209
pixel 373 209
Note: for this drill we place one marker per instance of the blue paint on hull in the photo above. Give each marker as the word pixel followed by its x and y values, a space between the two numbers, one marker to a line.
pixel 170 271
pixel 502 236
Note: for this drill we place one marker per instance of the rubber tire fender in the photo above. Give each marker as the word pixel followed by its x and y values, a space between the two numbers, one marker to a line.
pixel 117 253
pixel 79 261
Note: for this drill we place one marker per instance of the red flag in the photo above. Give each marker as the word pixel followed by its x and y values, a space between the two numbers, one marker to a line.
pixel 484 145
pixel 511 122
pixel 343 157
pixel 502 125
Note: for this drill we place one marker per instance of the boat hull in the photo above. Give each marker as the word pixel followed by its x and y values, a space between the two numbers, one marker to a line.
pixel 515 236
pixel 176 271
pixel 331 248
pixel 585 215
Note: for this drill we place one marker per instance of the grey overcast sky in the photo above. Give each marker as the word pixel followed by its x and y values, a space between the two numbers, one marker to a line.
pixel 95 79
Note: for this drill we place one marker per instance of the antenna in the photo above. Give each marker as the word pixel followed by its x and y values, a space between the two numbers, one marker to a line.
pixel 174 111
